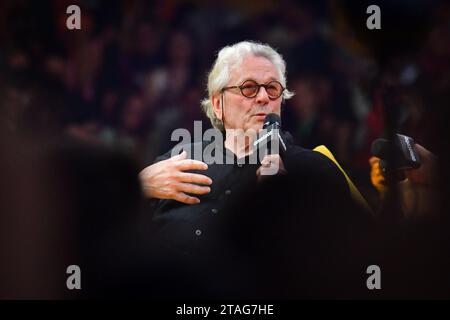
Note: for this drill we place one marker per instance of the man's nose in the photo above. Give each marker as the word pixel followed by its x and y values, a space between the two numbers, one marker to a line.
pixel 262 97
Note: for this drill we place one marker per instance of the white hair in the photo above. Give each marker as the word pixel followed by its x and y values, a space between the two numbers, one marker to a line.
pixel 231 57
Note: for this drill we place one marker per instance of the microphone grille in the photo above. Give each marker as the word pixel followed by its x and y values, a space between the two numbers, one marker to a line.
pixel 271 119
pixel 379 148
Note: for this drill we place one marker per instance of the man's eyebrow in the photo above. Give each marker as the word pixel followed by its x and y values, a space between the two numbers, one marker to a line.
pixel 247 79
pixel 251 79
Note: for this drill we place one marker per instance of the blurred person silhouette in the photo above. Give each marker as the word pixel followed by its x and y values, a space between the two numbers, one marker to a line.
pixel 418 247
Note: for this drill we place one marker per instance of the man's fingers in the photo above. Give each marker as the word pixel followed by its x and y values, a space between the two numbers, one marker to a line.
pixel 184 198
pixel 259 176
pixel 195 178
pixel 266 163
pixel 190 164
pixel 194 189
pixel 270 158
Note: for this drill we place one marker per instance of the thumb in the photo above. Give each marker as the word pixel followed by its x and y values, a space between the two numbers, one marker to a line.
pixel 258 175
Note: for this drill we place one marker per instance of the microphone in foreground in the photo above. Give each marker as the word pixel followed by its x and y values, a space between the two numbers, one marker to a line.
pixel 401 155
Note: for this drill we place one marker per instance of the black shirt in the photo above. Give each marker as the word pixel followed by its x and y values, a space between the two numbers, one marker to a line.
pixel 243 229
pixel 186 228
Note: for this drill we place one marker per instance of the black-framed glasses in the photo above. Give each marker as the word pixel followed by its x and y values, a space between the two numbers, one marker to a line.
pixel 250 89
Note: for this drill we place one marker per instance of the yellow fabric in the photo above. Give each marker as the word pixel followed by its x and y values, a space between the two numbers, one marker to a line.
pixel 356 195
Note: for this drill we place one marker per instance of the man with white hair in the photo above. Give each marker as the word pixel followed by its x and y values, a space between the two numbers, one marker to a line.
pixel 247 82
pixel 219 219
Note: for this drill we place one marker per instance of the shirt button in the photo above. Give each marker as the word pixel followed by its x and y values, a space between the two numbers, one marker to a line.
pixel 214 210
pixel 198 232
pixel 228 192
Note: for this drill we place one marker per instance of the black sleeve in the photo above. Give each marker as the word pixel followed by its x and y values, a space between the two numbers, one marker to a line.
pixel 150 205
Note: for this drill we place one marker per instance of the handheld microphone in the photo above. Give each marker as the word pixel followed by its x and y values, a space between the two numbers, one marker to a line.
pixel 270 137
pixel 404 154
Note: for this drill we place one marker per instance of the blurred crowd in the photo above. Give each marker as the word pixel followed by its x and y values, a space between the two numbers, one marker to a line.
pixel 137 70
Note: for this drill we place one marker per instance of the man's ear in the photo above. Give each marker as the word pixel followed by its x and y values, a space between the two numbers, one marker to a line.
pixel 217 108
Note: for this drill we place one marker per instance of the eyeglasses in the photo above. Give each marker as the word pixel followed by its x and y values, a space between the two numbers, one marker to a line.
pixel 250 89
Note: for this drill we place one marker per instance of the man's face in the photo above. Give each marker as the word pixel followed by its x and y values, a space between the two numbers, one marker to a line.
pixel 248 113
